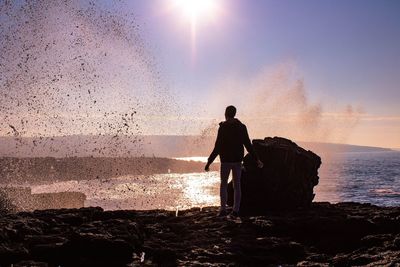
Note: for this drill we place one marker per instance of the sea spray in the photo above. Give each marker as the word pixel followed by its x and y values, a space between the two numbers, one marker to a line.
pixel 82 69
pixel 77 80
pixel 275 102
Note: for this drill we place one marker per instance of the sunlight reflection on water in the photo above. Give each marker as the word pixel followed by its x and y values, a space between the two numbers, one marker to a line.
pixel 161 191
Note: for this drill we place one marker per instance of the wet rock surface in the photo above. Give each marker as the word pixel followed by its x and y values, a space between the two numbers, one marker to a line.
pixel 343 234
pixel 286 181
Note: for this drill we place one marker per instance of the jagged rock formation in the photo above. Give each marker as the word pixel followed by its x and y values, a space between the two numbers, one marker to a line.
pixel 285 182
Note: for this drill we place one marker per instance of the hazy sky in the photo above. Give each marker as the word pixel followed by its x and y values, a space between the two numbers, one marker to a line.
pixel 345 52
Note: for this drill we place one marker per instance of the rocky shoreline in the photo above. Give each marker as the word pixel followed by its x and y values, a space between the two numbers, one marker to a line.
pixel 343 234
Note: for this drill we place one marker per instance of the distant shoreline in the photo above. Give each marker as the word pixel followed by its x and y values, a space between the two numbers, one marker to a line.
pixel 167 146
pixel 44 169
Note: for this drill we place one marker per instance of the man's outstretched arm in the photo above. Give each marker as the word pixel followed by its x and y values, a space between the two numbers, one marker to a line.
pixel 215 151
pixel 249 147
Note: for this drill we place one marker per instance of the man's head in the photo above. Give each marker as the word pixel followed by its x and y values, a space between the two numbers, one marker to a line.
pixel 230 112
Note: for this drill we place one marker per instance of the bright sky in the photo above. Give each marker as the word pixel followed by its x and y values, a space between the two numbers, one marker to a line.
pixel 345 52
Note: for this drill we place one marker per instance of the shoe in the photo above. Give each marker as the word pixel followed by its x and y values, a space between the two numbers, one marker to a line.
pixel 222 213
pixel 234 215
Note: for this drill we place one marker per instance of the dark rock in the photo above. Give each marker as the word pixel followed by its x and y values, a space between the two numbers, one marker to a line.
pixel 34 240
pixel 12 253
pixel 71 219
pixel 374 240
pixel 69 237
pixel 396 242
pixel 361 260
pixel 96 249
pixel 161 256
pixel 48 252
pixel 324 234
pixel 292 252
pixel 31 264
pixel 285 182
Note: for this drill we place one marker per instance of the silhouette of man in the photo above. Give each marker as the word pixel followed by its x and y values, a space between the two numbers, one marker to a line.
pixel 232 136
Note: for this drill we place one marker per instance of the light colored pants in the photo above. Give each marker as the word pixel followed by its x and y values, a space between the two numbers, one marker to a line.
pixel 226 168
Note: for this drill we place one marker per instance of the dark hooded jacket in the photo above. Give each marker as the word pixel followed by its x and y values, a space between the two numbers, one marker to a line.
pixel 232 136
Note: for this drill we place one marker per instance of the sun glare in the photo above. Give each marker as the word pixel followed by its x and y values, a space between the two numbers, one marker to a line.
pixel 197 13
pixel 196 10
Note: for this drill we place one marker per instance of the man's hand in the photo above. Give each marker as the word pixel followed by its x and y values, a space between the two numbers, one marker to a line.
pixel 260 164
pixel 207 167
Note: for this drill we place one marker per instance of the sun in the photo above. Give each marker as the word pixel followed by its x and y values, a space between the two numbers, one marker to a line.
pixel 196 10
pixel 197 13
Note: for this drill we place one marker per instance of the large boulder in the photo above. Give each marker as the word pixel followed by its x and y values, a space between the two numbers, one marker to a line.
pixel 285 182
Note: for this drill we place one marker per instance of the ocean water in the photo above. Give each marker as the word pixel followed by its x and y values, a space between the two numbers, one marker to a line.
pixel 372 177
pixel 367 177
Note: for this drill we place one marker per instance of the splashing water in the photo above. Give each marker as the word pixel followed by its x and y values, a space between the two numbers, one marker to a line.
pixel 70 68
